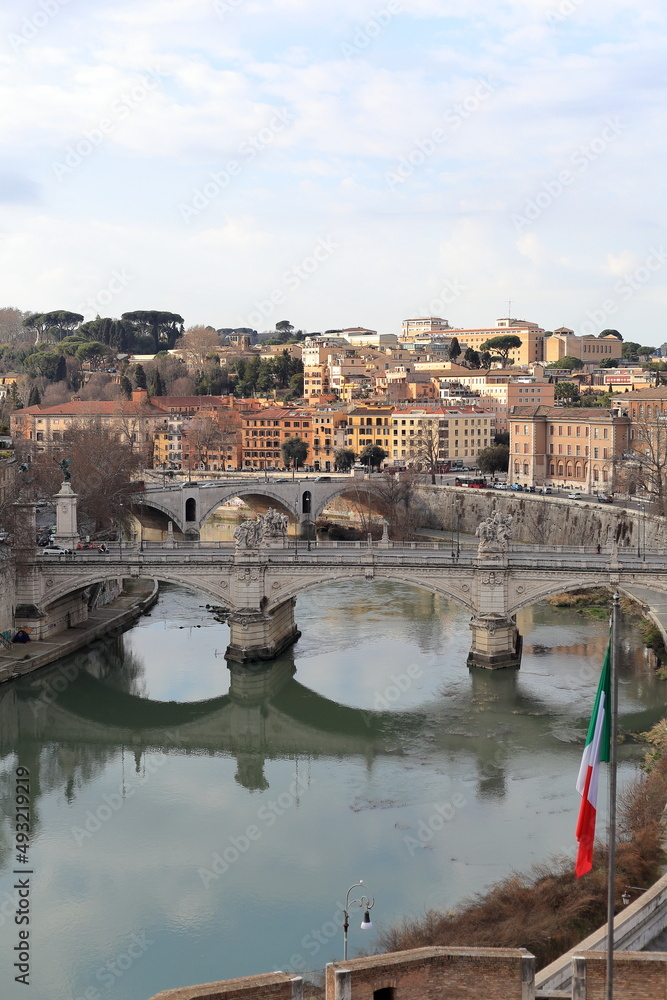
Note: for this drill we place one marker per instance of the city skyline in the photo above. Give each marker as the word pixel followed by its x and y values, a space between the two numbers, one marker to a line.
pixel 242 162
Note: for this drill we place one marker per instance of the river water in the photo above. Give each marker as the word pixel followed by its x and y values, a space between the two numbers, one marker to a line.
pixel 185 829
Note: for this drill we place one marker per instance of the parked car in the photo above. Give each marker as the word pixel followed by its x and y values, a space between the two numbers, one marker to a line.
pixel 516 486
pixel 574 496
pixel 56 550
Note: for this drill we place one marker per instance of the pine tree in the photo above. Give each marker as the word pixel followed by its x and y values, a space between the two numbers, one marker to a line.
pixel 454 349
pixel 126 387
pixel 140 377
pixel 34 398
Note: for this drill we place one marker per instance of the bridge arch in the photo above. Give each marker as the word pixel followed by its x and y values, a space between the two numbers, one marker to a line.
pixel 59 588
pixel 379 574
pixel 534 591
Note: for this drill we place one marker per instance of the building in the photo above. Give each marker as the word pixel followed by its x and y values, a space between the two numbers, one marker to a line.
pixel 358 336
pixel 577 448
pixel 420 436
pixel 530 334
pixel 369 425
pixel 589 350
pixel 132 420
pixel 264 431
pixel 411 328
pixel 499 390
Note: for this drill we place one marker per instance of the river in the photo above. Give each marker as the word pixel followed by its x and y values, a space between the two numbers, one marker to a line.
pixel 185 831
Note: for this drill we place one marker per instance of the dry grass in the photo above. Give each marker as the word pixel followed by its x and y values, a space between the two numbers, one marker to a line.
pixel 548 910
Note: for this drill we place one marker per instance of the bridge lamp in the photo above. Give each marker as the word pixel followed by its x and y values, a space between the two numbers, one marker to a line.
pixel 626 897
pixel 367 902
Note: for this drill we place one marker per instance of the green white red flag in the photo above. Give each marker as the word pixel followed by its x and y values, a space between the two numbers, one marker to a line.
pixel 597 749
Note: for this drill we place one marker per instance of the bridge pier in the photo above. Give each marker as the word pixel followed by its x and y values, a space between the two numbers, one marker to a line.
pixel 496 642
pixel 260 635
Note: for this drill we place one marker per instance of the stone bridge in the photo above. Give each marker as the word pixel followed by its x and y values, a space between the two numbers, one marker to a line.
pixel 303 500
pixel 258 587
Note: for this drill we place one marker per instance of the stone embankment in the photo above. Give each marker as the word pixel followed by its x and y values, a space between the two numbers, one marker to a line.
pixel 137 598
pixel 544 520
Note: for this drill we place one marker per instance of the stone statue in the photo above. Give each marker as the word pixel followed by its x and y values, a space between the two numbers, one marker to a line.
pixel 64 465
pixel 494 533
pixel 275 524
pixel 251 533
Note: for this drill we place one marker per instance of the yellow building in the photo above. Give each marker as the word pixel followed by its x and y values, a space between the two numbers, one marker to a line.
pixel 369 425
pixel 590 350
pixel 462 432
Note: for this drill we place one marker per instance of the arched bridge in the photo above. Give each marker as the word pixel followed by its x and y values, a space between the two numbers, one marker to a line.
pixel 258 587
pixel 303 500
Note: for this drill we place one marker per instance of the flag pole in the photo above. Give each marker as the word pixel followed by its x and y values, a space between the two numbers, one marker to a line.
pixel 613 755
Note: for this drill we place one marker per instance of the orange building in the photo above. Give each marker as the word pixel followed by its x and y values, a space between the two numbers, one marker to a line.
pixel 264 432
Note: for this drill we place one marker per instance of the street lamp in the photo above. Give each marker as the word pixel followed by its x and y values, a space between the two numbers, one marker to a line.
pixel 625 895
pixel 367 902
pixel 639 530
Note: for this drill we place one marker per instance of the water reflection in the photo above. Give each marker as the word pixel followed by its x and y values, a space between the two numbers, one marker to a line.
pixel 373 720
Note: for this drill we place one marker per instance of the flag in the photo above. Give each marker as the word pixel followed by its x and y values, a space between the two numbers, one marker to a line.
pixel 597 749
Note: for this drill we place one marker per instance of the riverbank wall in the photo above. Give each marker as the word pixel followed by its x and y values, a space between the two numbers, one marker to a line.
pixel 544 520
pixel 136 599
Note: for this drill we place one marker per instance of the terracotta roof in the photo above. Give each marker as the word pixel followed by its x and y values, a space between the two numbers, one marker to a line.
pixel 89 408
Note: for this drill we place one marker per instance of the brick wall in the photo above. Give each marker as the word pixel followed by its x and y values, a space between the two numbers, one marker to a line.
pixel 638 975
pixel 436 974
pixel 275 986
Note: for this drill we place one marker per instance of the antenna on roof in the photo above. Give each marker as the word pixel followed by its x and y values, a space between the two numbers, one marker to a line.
pixel 509 308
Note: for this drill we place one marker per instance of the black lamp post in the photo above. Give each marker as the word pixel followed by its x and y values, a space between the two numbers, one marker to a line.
pixel 365 901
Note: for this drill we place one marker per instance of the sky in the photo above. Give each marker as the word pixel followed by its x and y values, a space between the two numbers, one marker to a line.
pixel 242 162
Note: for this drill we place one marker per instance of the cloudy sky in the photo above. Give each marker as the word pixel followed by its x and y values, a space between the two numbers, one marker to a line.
pixel 354 163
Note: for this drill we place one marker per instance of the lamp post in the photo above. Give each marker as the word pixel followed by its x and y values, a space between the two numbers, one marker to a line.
pixel 625 895
pixel 639 530
pixel 367 902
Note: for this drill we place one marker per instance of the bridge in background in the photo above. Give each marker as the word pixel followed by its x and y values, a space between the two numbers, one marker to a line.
pixel 303 500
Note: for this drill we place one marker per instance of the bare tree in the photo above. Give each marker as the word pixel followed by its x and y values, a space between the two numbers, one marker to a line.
pixel 196 343
pixel 394 497
pixel 183 386
pixel 644 466
pixel 428 444
pixel 103 470
pixel 11 325
pixel 211 437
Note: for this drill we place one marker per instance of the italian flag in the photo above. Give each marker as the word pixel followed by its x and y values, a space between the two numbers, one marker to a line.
pixel 597 749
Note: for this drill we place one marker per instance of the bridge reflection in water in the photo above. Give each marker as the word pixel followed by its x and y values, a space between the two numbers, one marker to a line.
pixel 185 779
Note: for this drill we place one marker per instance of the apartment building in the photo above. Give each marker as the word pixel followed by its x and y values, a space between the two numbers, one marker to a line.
pixel 530 334
pixel 589 349
pixel 369 425
pixel 132 420
pixel 411 328
pixel 462 432
pixel 264 431
pixel 499 392
pixel 578 448
pixel 329 428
